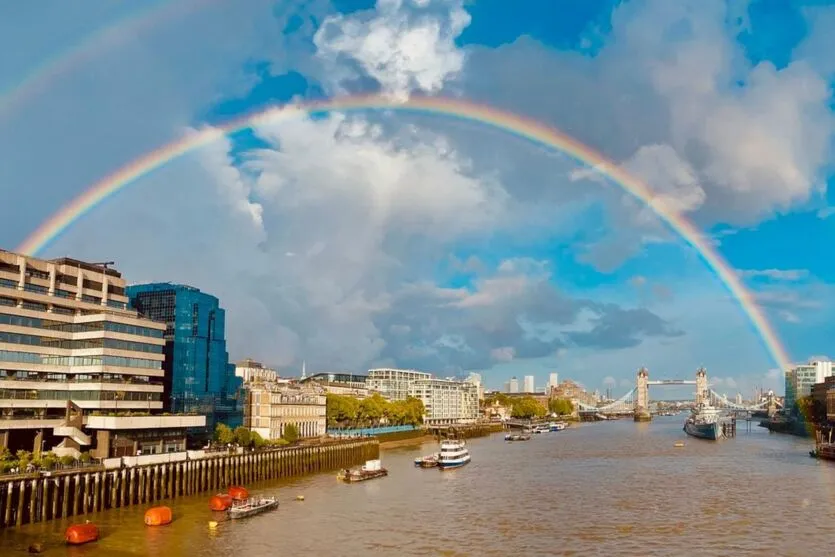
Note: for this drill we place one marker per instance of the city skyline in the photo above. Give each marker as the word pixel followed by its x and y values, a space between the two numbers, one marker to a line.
pixel 455 241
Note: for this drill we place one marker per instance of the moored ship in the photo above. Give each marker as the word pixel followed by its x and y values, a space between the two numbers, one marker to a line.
pixel 368 471
pixel 249 507
pixel 454 454
pixel 704 422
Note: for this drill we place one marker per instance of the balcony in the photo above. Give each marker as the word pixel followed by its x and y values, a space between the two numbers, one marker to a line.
pixel 144 422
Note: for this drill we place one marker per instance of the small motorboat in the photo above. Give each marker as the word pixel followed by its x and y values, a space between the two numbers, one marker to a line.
pixel 249 507
pixel 428 461
pixel 368 471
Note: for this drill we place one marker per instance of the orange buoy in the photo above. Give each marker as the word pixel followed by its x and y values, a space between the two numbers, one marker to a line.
pixel 158 516
pixel 238 493
pixel 78 534
pixel 220 502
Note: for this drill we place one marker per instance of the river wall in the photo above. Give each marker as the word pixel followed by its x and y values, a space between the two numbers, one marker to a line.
pixel 30 498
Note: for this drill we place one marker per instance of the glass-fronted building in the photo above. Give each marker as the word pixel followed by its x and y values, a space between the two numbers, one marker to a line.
pixel 198 375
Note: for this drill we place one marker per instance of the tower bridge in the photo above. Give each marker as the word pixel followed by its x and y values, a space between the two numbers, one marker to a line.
pixel 636 402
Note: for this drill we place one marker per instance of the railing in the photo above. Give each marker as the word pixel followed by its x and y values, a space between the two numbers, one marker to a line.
pixel 369 431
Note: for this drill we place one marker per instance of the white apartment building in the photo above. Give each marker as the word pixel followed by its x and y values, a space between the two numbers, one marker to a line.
pixel 394 384
pixel 513 386
pixel 69 347
pixel 553 380
pixel 250 370
pixel 446 402
pixel 475 379
pixel 529 384
pixel 801 378
pixel 270 407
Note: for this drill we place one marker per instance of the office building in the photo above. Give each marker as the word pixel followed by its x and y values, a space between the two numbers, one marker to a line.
pixel 514 385
pixel 553 380
pixel 199 377
pixel 270 407
pixel 446 402
pixel 801 378
pixel 529 384
pixel 393 384
pixel 250 370
pixel 475 379
pixel 345 384
pixel 70 347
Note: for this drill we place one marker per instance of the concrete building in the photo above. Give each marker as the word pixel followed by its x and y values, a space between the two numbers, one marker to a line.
pixel 250 370
pixel 270 407
pixel 530 385
pixel 739 398
pixel 553 380
pixel 574 392
pixel 199 376
pixel 346 384
pixel 800 380
pixel 70 347
pixel 446 402
pixel 513 386
pixel 394 383
pixel 475 379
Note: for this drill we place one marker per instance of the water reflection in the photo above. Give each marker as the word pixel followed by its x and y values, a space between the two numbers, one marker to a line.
pixel 601 489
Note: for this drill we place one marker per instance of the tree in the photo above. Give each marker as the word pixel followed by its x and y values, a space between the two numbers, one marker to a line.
pixel 291 433
pixel 561 406
pixel 223 434
pixel 341 409
pixel 256 439
pixel 372 409
pixel 242 436
pixel 527 407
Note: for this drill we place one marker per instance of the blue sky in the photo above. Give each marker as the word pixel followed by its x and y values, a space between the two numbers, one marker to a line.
pixel 381 238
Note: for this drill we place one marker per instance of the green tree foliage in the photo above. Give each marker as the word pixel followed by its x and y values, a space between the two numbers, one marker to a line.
pixel 223 434
pixel 291 433
pixel 257 441
pixel 561 406
pixel 501 398
pixel 242 436
pixel 527 407
pixel 347 411
pixel 810 410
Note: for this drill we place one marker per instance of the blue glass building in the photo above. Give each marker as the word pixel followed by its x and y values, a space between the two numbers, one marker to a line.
pixel 198 375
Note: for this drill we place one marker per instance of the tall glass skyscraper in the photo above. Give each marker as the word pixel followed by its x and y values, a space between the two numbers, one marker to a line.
pixel 198 375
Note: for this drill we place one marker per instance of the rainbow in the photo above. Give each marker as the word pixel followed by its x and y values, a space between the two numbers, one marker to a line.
pixel 514 124
pixel 120 31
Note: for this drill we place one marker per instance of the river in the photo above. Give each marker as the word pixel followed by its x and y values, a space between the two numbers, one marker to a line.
pixel 607 488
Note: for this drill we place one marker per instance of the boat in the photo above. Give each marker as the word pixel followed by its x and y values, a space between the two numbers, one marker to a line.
pixel 454 454
pixel 517 437
pixel 428 461
pixel 254 505
pixel 705 423
pixel 368 471
pixel 557 426
pixel 542 428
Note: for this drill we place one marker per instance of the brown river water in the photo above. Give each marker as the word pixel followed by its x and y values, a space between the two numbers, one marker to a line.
pixel 616 488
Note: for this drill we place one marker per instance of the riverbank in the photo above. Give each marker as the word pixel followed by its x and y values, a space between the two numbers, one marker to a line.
pixel 40 497
pixel 396 443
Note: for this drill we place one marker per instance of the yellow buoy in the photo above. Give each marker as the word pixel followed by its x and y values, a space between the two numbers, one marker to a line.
pixel 299 497
pixel 679 443
pixel 212 524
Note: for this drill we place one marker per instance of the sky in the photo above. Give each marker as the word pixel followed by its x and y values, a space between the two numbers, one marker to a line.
pixel 379 238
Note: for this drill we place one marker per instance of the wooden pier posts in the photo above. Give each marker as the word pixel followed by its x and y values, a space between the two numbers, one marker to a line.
pixel 38 497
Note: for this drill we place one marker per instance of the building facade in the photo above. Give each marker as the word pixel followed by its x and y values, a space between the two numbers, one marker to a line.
pixel 270 407
pixel 199 377
pixel 574 392
pixel 530 385
pixel 800 380
pixel 394 383
pixel 345 384
pixel 250 370
pixel 446 402
pixel 553 380
pixel 71 348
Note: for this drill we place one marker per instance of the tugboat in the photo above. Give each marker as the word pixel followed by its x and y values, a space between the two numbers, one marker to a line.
pixel 704 423
pixel 454 454
pixel 249 507
pixel 370 470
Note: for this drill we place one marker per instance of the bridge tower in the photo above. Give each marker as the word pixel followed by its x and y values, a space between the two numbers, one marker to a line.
pixel 642 396
pixel 702 392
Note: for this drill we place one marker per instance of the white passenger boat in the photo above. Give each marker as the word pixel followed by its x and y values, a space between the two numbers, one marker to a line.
pixel 454 454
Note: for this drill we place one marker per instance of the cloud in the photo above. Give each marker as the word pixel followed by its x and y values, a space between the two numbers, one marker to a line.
pixel 776 274
pixel 405 46
pixel 671 95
